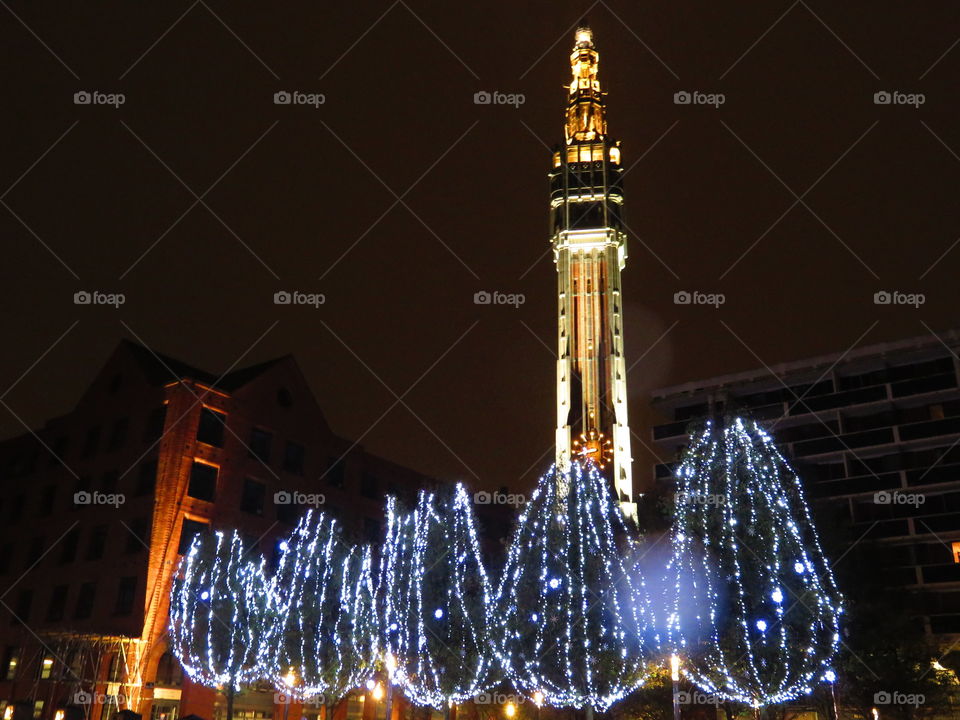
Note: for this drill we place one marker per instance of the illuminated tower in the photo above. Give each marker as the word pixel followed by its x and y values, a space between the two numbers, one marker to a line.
pixel 590 250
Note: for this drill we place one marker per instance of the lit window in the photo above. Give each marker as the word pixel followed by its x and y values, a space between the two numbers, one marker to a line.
pixel 46 667
pixel 956 552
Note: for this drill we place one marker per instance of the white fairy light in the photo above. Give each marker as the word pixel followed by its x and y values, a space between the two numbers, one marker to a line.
pixel 573 611
pixel 759 543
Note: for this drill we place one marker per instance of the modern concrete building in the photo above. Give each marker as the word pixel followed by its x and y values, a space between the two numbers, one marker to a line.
pixel 876 433
pixel 98 505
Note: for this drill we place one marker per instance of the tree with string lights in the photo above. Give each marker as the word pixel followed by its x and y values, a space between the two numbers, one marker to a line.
pixel 322 635
pixel 436 600
pixel 218 614
pixel 754 609
pixel 574 617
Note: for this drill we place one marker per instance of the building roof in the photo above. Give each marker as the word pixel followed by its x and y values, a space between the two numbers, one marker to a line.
pixel 161 369
pixel 816 365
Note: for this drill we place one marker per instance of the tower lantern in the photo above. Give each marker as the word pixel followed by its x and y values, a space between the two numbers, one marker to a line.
pixel 590 250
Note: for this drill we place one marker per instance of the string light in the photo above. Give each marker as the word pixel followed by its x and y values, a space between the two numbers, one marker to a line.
pixel 573 611
pixel 323 612
pixel 218 611
pixel 743 542
pixel 436 601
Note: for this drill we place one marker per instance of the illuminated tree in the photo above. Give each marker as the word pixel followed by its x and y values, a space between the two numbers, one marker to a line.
pixel 218 611
pixel 572 606
pixel 322 637
pixel 755 609
pixel 436 600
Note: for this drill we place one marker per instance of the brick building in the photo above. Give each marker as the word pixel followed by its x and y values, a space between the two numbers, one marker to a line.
pixel 875 435
pixel 98 505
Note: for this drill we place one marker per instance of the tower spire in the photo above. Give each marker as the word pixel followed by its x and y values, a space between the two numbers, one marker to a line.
pixel 585 111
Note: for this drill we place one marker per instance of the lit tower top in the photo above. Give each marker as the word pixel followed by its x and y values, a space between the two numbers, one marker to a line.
pixel 589 244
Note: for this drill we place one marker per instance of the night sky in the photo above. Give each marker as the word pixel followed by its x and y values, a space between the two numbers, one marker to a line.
pixel 399 198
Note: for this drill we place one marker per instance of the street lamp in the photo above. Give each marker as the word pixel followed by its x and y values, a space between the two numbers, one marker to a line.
pixel 289 680
pixel 538 701
pixel 675 677
pixel 831 677
pixel 390 662
pixel 509 709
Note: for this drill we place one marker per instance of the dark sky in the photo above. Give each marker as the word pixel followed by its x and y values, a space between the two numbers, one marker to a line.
pixel 303 198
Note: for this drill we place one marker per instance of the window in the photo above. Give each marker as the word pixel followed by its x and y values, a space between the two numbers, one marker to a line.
pixel 293 454
pixel 368 485
pixel 91 442
pixel 254 493
pixel 260 441
pixel 203 481
pixel 125 595
pixel 46 669
pixel 191 528
pixel 336 477
pixel 137 536
pixel 98 542
pixel 210 429
pixel 118 435
pixel 146 478
pixel 85 598
pixel 68 547
pixel 47 496
pixel 24 604
pixel 955 547
pixel 169 672
pixel 10 662
pixel 153 430
pixel 58 601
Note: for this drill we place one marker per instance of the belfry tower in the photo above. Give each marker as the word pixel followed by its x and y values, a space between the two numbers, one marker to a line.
pixel 590 250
